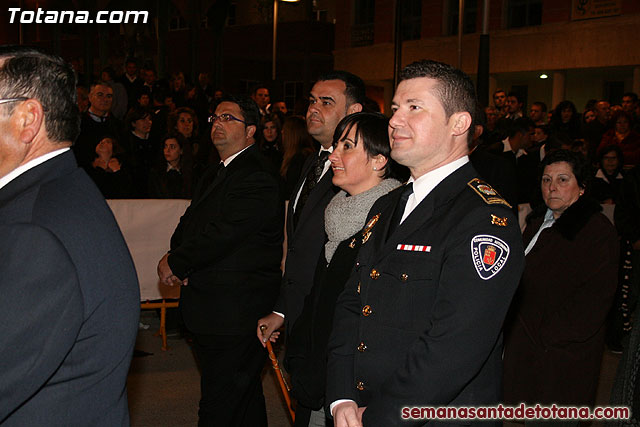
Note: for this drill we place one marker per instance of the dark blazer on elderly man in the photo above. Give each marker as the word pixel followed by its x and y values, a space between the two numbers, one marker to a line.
pixel 70 301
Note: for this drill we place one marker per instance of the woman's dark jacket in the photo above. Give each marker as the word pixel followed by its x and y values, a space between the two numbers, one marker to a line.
pixel 171 184
pixel 555 335
pixel 113 185
pixel 306 356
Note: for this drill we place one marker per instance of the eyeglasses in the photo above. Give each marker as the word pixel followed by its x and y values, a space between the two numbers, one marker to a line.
pixel 225 117
pixel 4 101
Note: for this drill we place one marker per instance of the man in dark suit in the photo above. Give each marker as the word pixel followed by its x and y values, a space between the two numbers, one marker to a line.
pixel 226 250
pixel 335 95
pixel 419 322
pixel 70 298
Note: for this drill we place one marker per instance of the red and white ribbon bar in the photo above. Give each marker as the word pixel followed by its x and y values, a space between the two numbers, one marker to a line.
pixel 414 248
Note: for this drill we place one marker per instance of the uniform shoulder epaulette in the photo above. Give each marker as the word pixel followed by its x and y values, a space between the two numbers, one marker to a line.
pixel 487 193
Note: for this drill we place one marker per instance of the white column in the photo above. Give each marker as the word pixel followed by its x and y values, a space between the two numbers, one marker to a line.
pixel 558 88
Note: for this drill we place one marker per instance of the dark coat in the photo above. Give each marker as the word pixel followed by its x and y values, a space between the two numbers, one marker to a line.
pixel 306 356
pixel 418 328
pixel 556 335
pixel 70 302
pixel 91 132
pixel 171 184
pixel 113 185
pixel 305 241
pixel 229 245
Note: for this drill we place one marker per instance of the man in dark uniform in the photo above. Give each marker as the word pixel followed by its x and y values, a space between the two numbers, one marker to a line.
pixel 420 321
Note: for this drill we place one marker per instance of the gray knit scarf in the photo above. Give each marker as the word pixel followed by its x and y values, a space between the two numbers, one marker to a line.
pixel 345 215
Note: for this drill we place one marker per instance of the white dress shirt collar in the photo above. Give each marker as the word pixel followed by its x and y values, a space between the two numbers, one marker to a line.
pixel 30 165
pixel 427 182
pixel 233 156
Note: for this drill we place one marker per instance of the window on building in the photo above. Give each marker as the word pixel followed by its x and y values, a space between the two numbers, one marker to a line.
pixel 523 13
pixel 411 11
pixel 320 15
pixel 176 20
pixel 293 92
pixel 231 15
pixel 470 16
pixel 362 29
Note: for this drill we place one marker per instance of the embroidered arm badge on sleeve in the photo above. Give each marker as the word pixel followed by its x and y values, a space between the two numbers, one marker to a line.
pixel 488 194
pixel 489 255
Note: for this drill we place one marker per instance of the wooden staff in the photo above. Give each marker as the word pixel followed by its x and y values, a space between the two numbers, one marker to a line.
pixel 283 384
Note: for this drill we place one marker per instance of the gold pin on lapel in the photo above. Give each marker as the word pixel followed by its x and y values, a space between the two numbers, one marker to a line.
pixel 499 221
pixel 366 232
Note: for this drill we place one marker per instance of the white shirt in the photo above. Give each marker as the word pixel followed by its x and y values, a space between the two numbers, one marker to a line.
pixel 548 222
pixel 30 165
pixel 233 156
pixel 327 165
pixel 427 182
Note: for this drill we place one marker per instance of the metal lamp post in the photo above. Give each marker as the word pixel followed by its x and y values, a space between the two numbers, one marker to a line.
pixel 275 35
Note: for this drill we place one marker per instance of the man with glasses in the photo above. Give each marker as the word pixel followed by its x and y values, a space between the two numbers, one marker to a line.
pixel 226 251
pixel 70 299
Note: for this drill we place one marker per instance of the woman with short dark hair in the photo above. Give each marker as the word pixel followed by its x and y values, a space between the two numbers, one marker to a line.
pixel 362 169
pixel 555 335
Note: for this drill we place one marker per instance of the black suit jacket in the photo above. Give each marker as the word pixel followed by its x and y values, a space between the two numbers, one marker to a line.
pixel 229 245
pixel 423 327
pixel 305 241
pixel 70 301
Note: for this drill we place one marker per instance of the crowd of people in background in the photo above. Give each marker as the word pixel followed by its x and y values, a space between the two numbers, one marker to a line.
pixel 129 123
pixel 144 137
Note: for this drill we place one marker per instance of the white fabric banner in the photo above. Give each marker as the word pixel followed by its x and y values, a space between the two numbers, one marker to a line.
pixel 147 226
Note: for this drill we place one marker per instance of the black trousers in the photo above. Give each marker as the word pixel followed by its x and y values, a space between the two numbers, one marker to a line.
pixel 230 383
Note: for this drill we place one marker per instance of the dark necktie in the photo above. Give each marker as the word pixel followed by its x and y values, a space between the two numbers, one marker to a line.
pixel 313 176
pixel 399 211
pixel 221 169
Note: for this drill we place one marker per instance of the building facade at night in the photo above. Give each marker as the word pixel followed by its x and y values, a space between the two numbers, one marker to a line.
pixel 588 49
